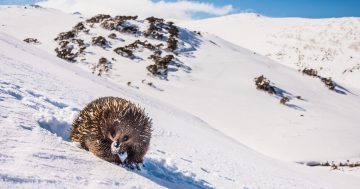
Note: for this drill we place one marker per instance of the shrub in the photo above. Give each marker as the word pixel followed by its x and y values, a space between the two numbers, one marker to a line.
pixel 66 53
pixel 161 64
pixel 66 35
pixel 173 31
pixel 132 29
pixel 262 83
pixel 156 25
pixel 109 24
pixel 328 83
pixel 284 100
pixel 310 72
pixel 112 36
pixel 100 41
pixel 98 18
pixel 172 44
pixel 124 52
pixel 102 66
pixel 32 40
pixel 79 27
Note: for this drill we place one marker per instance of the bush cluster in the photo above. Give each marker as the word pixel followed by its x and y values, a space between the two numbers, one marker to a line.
pixel 32 40
pixel 329 83
pixel 100 41
pixel 310 72
pixel 155 27
pixel 102 66
pixel 262 83
pixel 161 64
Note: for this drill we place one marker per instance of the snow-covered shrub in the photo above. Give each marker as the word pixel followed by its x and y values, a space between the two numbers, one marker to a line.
pixel 310 72
pixel 155 27
pixel 284 100
pixel 66 35
pixel 98 18
pixel 32 40
pixel 161 64
pixel 131 29
pixel 80 27
pixel 112 36
pixel 172 44
pixel 100 41
pixel 124 52
pixel 66 54
pixel 262 83
pixel 102 66
pixel 328 83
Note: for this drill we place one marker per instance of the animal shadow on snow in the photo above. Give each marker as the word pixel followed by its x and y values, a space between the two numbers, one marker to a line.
pixel 155 170
pixel 169 176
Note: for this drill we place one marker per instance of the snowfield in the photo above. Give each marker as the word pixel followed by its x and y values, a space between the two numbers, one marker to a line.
pixel 331 46
pixel 41 94
pixel 212 127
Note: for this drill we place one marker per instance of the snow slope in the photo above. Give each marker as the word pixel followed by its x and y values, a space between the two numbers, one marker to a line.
pixel 219 88
pixel 39 96
pixel 331 46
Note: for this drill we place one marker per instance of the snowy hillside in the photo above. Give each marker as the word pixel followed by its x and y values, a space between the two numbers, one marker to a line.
pixel 204 102
pixel 40 95
pixel 331 46
pixel 218 86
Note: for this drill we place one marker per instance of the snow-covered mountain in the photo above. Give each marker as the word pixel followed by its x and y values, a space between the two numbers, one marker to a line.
pixel 40 94
pixel 208 84
pixel 331 46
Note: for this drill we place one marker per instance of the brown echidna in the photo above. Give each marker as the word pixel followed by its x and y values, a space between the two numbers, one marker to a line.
pixel 114 129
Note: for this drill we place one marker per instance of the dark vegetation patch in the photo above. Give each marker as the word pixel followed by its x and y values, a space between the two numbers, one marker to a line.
pixel 264 84
pixel 333 165
pixel 173 35
pixel 72 47
pixel 98 18
pixel 310 72
pixel 66 35
pixel 124 52
pixel 155 28
pixel 102 66
pixel 160 66
pixel 32 41
pixel 100 41
pixel 112 36
pixel 329 83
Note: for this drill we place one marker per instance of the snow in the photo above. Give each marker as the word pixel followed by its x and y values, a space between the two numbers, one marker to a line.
pixel 329 45
pixel 123 156
pixel 179 157
pixel 195 113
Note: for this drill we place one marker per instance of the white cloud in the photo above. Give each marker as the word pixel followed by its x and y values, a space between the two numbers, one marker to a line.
pixel 143 8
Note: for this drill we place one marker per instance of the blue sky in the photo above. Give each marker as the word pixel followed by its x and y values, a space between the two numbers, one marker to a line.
pixel 295 8
pixel 299 8
pixel 275 8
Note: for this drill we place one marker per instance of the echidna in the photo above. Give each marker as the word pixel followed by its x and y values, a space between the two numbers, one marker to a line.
pixel 114 129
